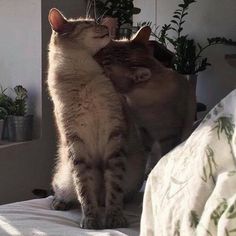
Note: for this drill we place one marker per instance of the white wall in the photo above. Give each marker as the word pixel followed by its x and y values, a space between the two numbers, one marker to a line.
pixel 20 47
pixel 27 166
pixel 207 18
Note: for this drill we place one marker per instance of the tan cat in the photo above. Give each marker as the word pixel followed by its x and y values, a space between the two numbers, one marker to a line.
pixel 161 100
pixel 94 163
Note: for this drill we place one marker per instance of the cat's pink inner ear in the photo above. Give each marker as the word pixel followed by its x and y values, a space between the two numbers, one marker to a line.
pixel 142 35
pixel 57 20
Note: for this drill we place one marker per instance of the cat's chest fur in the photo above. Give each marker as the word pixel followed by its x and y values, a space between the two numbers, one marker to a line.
pixel 84 100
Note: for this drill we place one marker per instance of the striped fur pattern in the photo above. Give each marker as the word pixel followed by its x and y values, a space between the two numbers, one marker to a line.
pixel 92 163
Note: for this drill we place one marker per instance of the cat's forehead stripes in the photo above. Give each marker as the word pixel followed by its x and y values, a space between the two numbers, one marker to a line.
pixel 80 25
pixel 73 27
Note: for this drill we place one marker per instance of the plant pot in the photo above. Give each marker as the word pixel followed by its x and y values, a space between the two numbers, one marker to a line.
pixel 1 128
pixel 20 128
pixel 5 130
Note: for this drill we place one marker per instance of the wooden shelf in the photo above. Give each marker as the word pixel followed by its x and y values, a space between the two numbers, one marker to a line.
pixel 231 59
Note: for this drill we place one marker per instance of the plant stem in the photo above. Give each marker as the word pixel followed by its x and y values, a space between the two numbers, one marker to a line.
pixel 180 20
pixel 202 49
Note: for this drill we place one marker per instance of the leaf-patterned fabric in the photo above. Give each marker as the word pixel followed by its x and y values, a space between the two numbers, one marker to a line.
pixel 192 190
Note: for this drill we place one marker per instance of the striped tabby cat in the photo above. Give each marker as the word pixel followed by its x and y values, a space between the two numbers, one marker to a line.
pixel 94 164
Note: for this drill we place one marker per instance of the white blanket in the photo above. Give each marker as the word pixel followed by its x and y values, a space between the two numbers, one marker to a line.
pixel 34 217
pixel 192 190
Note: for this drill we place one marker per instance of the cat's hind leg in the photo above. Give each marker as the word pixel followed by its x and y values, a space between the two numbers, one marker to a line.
pixel 62 184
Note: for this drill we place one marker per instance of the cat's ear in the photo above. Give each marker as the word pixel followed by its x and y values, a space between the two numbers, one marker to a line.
pixel 142 35
pixel 141 74
pixel 57 21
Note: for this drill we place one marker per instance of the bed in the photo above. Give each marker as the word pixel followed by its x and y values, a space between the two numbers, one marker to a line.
pixel 192 190
pixel 35 218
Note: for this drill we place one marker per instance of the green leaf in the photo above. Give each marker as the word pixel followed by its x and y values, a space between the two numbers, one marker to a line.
pixel 177 12
pixel 174 21
pixel 174 29
pixel 7 103
pixel 3 113
pixel 199 46
pixel 176 16
pixel 170 40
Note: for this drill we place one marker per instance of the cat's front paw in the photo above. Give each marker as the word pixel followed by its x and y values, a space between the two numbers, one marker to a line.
pixel 115 220
pixel 60 205
pixel 91 223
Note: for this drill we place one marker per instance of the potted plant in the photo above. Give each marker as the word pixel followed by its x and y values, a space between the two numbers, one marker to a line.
pixel 185 54
pixel 187 57
pixel 3 115
pixel 6 103
pixel 19 124
pixel 116 12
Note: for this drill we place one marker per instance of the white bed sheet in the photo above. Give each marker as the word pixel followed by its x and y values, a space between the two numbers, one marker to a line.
pixel 34 217
pixel 192 190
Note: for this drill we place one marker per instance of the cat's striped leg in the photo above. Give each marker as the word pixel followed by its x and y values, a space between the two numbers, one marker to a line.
pixel 114 184
pixel 86 180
